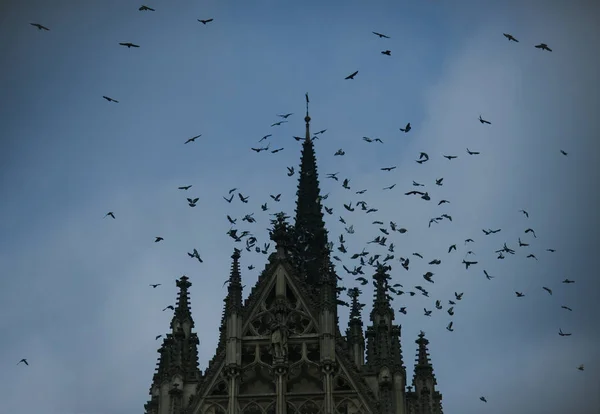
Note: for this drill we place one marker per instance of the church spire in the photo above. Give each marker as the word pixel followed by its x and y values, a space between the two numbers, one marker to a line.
pixel 183 314
pixel 234 296
pixel 424 381
pixel 310 227
pixel 177 373
pixel 382 311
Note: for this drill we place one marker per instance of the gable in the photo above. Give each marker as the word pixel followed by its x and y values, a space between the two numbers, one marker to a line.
pixel 280 291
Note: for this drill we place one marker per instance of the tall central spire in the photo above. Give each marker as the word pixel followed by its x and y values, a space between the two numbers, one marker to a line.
pixel 310 227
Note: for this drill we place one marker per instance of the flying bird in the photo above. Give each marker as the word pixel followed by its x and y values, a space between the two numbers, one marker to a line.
pixel 158 239
pixel 510 37
pixel 129 44
pixel 563 153
pixel 381 36
pixel 24 360
pixel 192 202
pixel 109 99
pixel 169 307
pixel 472 152
pixel 483 121
pixel 449 327
pixel 155 285
pixel 285 116
pixel 483 399
pixel 406 128
pixel 111 214
pixel 39 26
pixel 185 187
pixel 561 333
pixel 146 8
pixel 543 46
pixel 205 21
pixel 547 289
pixel 351 76
pixel 192 139
pixel 386 52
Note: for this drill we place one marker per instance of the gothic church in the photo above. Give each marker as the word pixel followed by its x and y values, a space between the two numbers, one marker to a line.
pixel 281 350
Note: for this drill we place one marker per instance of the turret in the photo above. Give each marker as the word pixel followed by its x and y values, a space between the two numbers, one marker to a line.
pixel 233 330
pixel 384 366
pixel 424 382
pixel 177 374
pixel 354 334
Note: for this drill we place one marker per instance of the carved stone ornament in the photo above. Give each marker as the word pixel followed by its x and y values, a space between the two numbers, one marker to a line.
pixel 279 339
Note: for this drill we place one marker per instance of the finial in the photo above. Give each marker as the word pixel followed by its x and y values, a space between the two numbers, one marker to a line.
pixel 236 254
pixel 280 232
pixel 307 117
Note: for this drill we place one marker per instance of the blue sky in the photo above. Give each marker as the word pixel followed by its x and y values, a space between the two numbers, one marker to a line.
pixel 74 295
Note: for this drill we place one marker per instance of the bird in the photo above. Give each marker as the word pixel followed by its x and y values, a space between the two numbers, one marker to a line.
pixel 185 187
pixel 386 52
pixel 24 360
pixel 351 76
pixel 543 46
pixel 285 116
pixel 483 121
pixel 519 294
pixel 381 36
pixel 530 230
pixel 278 123
pixel 510 37
pixel 290 171
pixel 524 212
pixel 580 367
pixel 265 137
pixel 157 336
pixel 39 26
pixel 487 275
pixel 192 139
pixel 111 214
pixel 472 152
pixel 568 281
pixel 452 247
pixel 109 99
pixel 145 8
pixel 192 202
pixel 567 308
pixel 450 157
pixel 158 239
pixel 449 327
pixel 406 128
pixel 483 399
pixel 547 289
pixel 387 168
pixel 129 45
pixel 563 153
pixel 169 307
pixel 205 21
pixel 561 333
pixel 155 285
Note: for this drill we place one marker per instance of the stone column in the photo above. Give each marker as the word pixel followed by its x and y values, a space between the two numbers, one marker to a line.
pixel 328 368
pixel 280 371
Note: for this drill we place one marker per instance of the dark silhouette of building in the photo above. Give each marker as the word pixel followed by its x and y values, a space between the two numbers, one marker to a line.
pixel 281 350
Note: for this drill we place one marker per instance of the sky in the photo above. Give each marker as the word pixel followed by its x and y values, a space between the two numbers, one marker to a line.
pixel 74 294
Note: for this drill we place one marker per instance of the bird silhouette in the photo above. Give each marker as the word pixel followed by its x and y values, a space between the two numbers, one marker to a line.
pixel 155 285
pixel 205 21
pixel 129 45
pixel 386 52
pixel 483 121
pixel 381 36
pixel 145 8
pixel 24 360
pixel 39 26
pixel 192 139
pixel 543 46
pixel 109 99
pixel 158 239
pixel 351 76
pixel 111 214
pixel 510 37
pixel 406 129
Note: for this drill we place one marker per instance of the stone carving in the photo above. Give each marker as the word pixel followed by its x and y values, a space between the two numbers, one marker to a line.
pixel 279 339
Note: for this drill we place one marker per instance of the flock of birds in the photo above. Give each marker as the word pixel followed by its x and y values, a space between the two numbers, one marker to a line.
pixel 380 250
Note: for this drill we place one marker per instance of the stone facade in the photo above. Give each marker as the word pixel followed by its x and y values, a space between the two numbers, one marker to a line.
pixel 281 351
